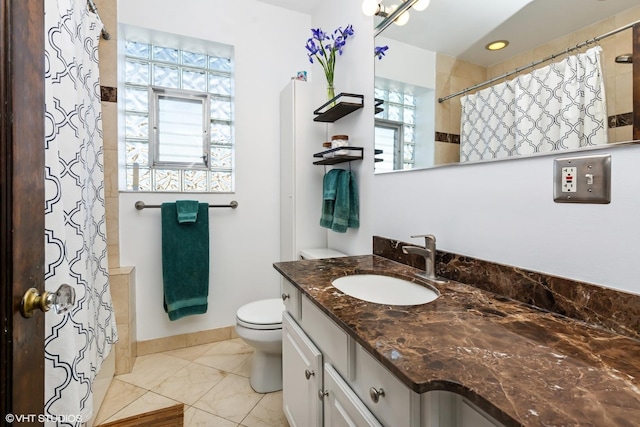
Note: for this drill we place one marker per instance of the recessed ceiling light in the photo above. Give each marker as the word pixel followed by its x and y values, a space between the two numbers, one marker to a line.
pixel 497 45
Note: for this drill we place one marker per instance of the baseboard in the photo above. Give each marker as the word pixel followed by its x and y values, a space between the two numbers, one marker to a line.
pixel 176 342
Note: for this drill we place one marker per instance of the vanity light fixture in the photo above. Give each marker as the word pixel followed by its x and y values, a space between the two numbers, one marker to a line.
pixel 375 7
pixel 400 20
pixel 421 5
pixel 371 7
pixel 497 45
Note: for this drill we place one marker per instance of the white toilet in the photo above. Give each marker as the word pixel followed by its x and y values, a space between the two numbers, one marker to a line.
pixel 259 324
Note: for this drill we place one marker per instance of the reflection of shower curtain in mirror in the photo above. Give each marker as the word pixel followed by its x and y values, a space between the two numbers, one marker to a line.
pixel 558 107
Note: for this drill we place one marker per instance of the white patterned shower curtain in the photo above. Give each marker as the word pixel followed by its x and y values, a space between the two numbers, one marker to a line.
pixel 77 342
pixel 560 106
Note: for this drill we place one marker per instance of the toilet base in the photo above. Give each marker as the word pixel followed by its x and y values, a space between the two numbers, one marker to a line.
pixel 266 367
pixel 266 372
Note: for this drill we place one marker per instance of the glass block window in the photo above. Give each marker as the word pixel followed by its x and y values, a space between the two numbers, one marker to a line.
pixel 395 123
pixel 178 119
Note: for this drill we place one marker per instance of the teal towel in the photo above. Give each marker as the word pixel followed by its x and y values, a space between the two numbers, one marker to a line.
pixel 185 262
pixel 340 209
pixel 187 210
pixel 345 213
pixel 329 187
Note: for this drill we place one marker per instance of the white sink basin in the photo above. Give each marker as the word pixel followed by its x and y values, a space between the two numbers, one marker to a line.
pixel 384 289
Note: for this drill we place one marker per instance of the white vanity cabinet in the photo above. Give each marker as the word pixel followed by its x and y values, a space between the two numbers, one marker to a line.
pixel 342 407
pixel 330 380
pixel 301 376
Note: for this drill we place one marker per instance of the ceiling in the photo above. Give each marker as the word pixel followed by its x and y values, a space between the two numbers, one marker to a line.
pixel 461 28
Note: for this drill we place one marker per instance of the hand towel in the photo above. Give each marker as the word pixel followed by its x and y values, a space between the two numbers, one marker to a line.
pixel 354 202
pixel 185 262
pixel 342 208
pixel 329 186
pixel 187 210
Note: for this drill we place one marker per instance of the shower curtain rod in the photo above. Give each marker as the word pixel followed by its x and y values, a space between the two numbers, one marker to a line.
pixel 540 61
pixel 94 9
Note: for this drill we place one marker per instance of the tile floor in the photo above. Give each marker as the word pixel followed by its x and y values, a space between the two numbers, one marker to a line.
pixel 212 380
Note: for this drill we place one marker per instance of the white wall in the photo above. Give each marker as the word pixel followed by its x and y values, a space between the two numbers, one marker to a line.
pixel 504 212
pixel 353 74
pixel 269 49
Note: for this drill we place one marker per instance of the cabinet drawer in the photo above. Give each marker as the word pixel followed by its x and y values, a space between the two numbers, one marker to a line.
pixel 399 406
pixel 334 343
pixel 291 298
pixel 341 406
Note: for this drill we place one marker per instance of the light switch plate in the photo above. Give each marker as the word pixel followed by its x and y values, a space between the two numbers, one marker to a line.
pixel 584 179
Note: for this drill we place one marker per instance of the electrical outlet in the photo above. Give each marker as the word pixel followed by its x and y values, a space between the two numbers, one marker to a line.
pixel 569 179
pixel 585 179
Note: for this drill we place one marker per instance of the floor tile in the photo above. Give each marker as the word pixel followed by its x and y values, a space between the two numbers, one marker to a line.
pixel 244 369
pixel 232 398
pixel 225 355
pixel 148 402
pixel 119 395
pixel 213 377
pixel 149 371
pixel 194 417
pixel 190 353
pixel 267 413
pixel 189 383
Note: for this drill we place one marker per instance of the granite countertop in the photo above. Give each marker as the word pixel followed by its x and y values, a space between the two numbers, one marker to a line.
pixel 523 366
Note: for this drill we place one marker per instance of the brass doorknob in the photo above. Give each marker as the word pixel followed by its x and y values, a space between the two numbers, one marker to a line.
pixel 61 300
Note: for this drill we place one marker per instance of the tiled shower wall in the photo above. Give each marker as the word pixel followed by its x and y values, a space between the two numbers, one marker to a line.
pixel 122 279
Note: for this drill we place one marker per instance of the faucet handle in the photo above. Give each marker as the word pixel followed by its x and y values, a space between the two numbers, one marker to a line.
pixel 427 238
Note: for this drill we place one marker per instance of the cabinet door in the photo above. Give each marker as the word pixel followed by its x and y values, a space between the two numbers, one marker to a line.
pixel 301 376
pixel 473 417
pixel 341 405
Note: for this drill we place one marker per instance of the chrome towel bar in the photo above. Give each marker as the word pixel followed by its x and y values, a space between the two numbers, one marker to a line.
pixel 141 205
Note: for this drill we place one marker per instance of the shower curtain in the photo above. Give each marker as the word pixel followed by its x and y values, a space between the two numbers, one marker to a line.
pixel 560 106
pixel 77 342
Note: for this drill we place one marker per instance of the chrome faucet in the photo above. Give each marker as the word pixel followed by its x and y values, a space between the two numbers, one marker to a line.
pixel 429 254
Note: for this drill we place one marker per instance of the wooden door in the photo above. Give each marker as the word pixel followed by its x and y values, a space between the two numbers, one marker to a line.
pixel 21 206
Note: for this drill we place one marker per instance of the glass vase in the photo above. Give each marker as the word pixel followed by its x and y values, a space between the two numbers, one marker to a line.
pixel 331 93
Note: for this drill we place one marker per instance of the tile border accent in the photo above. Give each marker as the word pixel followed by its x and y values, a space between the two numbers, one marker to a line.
pixel 620 120
pixel 176 342
pixel 108 94
pixel 448 137
pixel 599 306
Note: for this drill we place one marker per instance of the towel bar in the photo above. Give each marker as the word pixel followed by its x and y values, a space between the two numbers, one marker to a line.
pixel 141 205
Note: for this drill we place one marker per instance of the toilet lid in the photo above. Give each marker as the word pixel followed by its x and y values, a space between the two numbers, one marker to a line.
pixel 263 314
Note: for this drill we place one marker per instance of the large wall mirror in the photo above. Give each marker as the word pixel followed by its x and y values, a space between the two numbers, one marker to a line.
pixel 441 52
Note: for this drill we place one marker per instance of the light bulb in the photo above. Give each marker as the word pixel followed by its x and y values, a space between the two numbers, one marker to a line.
pixel 400 20
pixel 370 7
pixel 421 5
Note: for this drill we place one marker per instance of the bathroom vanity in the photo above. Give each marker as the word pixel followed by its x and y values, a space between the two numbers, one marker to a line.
pixel 470 358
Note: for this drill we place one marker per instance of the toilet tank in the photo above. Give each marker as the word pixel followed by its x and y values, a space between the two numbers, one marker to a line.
pixel 319 253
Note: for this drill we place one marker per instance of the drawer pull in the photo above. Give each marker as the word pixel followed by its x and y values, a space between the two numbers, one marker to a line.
pixel 375 394
pixel 284 297
pixel 322 394
pixel 308 374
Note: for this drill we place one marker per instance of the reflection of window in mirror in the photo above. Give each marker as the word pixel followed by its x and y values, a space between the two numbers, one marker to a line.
pixel 404 126
pixel 389 137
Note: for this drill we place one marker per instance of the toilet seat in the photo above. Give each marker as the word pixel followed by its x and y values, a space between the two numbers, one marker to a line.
pixel 264 314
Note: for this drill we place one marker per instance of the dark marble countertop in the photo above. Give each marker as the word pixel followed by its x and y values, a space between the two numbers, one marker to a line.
pixel 523 366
